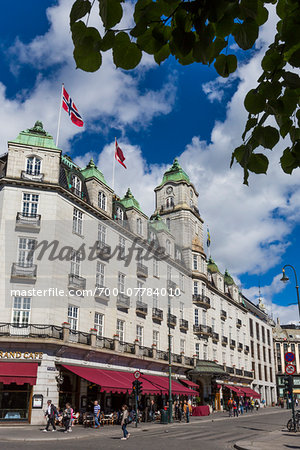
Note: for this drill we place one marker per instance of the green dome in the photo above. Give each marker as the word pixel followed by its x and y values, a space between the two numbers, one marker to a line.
pixel 128 201
pixel 36 137
pixel 212 266
pixel 158 224
pixel 175 173
pixel 228 279
pixel 91 171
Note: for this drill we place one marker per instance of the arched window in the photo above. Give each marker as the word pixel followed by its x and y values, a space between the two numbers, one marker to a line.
pixel 170 202
pixel 76 184
pixel 139 226
pixel 102 200
pixel 119 213
pixel 33 165
pixel 168 246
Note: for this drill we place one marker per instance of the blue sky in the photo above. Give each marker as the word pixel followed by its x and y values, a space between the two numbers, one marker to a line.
pixel 158 113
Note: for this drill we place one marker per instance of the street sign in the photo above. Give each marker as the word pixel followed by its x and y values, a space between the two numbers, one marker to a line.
pixel 137 374
pixel 290 369
pixel 289 356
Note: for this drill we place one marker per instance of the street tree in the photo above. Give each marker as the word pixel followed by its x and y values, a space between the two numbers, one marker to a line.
pixel 203 31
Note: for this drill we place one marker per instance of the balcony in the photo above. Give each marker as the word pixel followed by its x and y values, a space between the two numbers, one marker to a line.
pixel 230 370
pixel 27 221
pixel 171 286
pixel 232 343
pixel 203 330
pixel 183 325
pixel 76 282
pixel 79 337
pixel 123 301
pixel 223 315
pixel 104 250
pixel 224 340
pixel 176 358
pixel 141 309
pixel 101 293
pixel 238 323
pixel 239 372
pixel 240 346
pixel 157 314
pixel 246 349
pixel 160 354
pixel 215 337
pixel 146 351
pixel 141 271
pixel 201 300
pixel 23 271
pixel 248 374
pixel 172 320
pixel 31 177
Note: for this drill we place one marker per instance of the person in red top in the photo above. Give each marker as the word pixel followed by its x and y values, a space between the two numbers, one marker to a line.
pixel 230 406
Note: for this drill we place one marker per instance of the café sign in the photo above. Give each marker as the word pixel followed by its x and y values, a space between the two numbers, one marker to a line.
pixel 21 355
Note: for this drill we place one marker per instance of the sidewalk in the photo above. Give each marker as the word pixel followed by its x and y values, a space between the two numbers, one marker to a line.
pixel 275 440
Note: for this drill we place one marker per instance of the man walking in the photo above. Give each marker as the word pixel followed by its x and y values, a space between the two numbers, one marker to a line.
pixel 50 413
pixel 96 414
pixel 152 411
pixel 230 406
pixel 186 410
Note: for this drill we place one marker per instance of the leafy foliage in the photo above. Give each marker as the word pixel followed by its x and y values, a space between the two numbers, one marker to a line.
pixel 200 31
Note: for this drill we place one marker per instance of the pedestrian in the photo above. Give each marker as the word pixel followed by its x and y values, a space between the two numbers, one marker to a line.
pixel 124 423
pixel 242 406
pixel 297 402
pixel 246 405
pixel 50 413
pixel 67 418
pixel 152 411
pixel 97 410
pixel 230 405
pixel 252 405
pixel 180 411
pixel 235 409
pixel 186 411
pixel 256 405
pixel 176 404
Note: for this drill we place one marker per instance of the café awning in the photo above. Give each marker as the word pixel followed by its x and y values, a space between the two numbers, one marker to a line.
pixel 250 392
pixel 190 384
pixel 18 372
pixel 235 389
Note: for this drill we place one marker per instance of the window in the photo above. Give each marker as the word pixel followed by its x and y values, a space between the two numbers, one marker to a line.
pixel 271 375
pixel 76 184
pixel 26 248
pixel 270 358
pixel 155 299
pixel 119 213
pixel 121 283
pixel 77 221
pixel 204 317
pixel 195 262
pixel 264 354
pixel 139 295
pixel 30 204
pixel 222 329
pixel 21 311
pixel 33 165
pixel 102 200
pixel 205 351
pixel 268 337
pixel 100 274
pixel 213 324
pixel 182 346
pixel 75 263
pixel 252 348
pixel 99 323
pixel 122 247
pixel 195 287
pixel 178 254
pixel 156 338
pixel 230 333
pixel 251 327
pixel 169 202
pixel 155 267
pixel 121 330
pixel 168 222
pixel 73 317
pixel 263 334
pixel 197 350
pixel 253 369
pixel 259 372
pixel 140 334
pixel 101 233
pixel 181 310
pixel 181 282
pixel 257 331
pixel 168 246
pixel 203 289
pixel 266 373
pixel 196 316
pixel 139 226
pixel 258 351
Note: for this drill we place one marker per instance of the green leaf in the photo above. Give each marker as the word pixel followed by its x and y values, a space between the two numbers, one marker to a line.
pixel 162 54
pixel 266 136
pixel 108 40
pixel 285 127
pixel 248 8
pixel 225 65
pixel 258 163
pixel 79 9
pixel 262 15
pixel 148 43
pixel 126 54
pixel 254 102
pixel 288 161
pixel 87 43
pixel 270 90
pixel 147 11
pixel 183 41
pixel 292 80
pixel 272 60
pixel 139 29
pixel 241 154
pixel 224 26
pixel 111 12
pixel 246 33
pixel 251 122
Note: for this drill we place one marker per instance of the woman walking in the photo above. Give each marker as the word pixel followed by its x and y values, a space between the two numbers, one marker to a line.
pixel 124 423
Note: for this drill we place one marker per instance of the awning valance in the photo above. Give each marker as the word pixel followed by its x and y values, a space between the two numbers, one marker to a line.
pixel 190 384
pixel 18 372
pixel 250 392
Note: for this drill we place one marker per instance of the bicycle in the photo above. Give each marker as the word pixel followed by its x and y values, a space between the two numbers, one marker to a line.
pixel 290 425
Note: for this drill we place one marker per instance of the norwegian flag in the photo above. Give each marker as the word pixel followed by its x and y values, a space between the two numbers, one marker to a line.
pixel 69 106
pixel 119 155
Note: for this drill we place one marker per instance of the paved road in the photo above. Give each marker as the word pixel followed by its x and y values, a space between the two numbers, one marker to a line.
pixel 211 433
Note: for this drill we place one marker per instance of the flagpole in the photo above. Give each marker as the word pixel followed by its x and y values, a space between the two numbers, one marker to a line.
pixel 114 163
pixel 59 114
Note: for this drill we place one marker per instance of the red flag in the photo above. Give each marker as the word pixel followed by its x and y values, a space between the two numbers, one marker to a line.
pixel 119 155
pixel 69 106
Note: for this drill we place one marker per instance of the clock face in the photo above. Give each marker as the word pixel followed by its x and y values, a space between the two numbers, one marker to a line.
pixel 169 190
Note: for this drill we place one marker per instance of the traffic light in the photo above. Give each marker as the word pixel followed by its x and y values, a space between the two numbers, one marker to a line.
pixel 288 384
pixel 139 387
pixel 134 387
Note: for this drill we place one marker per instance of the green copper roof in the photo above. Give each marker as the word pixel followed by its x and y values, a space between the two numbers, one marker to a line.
pixel 158 224
pixel 36 136
pixel 212 266
pixel 175 173
pixel 128 201
pixel 228 279
pixel 207 367
pixel 91 171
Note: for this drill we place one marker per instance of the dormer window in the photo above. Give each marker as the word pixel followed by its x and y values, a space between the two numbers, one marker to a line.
pixel 139 226
pixel 170 202
pixel 119 213
pixel 33 165
pixel 102 200
pixel 76 184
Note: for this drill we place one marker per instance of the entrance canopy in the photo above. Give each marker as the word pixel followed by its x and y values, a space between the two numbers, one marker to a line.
pixel 118 381
pixel 18 372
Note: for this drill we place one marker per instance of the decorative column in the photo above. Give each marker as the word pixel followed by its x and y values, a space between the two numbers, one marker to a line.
pixel 66 331
pixel 116 343
pixel 93 333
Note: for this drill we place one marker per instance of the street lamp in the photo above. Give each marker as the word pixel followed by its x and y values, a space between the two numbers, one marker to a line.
pixel 285 279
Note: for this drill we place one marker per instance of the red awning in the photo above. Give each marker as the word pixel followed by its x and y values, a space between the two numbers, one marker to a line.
pixel 18 372
pixel 190 384
pixel 162 384
pixel 234 389
pixel 250 392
